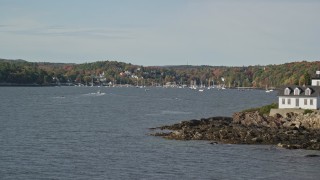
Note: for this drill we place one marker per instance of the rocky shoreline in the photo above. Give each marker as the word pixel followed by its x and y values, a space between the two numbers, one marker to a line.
pixel 294 131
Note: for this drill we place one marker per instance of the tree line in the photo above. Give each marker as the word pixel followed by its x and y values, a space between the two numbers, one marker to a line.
pixel 113 72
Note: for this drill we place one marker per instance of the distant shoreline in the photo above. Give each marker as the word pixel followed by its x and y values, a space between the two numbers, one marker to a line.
pixel 29 85
pixel 72 85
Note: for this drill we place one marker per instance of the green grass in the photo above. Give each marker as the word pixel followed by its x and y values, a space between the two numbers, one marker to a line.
pixel 264 110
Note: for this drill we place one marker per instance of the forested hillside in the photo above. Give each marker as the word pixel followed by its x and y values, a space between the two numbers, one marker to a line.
pixel 113 72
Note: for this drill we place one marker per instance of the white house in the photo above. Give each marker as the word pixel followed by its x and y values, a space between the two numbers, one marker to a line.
pixel 316 81
pixel 299 97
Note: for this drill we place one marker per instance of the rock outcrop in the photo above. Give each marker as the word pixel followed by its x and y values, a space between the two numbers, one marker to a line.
pixel 295 131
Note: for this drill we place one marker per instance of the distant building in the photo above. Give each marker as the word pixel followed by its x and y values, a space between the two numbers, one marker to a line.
pixel 128 73
pixel 122 74
pixel 316 81
pixel 296 97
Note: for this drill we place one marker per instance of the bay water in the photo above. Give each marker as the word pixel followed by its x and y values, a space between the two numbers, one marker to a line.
pixel 103 133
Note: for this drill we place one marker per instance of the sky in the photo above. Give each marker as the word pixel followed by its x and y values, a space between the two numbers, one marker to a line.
pixel 161 32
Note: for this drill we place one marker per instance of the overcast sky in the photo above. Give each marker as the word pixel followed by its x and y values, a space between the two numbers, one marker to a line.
pixel 161 32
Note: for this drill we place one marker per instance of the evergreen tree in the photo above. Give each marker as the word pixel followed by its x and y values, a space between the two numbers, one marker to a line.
pixel 307 79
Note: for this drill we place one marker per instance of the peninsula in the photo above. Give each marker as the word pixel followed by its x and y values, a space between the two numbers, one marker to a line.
pixel 292 131
pixel 293 125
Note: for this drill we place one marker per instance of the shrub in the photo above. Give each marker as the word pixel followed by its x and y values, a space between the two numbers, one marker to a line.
pixel 307 111
pixel 266 109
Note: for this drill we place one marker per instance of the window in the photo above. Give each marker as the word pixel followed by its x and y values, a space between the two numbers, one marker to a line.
pixel 283 101
pixel 289 101
pixel 308 92
pixel 311 101
pixel 305 101
pixel 297 102
pixel 296 91
pixel 287 91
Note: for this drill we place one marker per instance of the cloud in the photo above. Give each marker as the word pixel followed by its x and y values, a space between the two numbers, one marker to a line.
pixel 84 32
pixel 33 27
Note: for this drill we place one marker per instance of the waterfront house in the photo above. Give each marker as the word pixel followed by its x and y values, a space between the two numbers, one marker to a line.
pixel 295 97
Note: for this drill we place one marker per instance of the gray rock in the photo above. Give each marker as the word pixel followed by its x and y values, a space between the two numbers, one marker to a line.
pixel 250 128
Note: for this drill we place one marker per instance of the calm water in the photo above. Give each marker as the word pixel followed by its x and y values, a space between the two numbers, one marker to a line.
pixel 73 133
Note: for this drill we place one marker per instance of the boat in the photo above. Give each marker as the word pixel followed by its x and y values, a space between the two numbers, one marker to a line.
pixel 99 93
pixel 267 90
